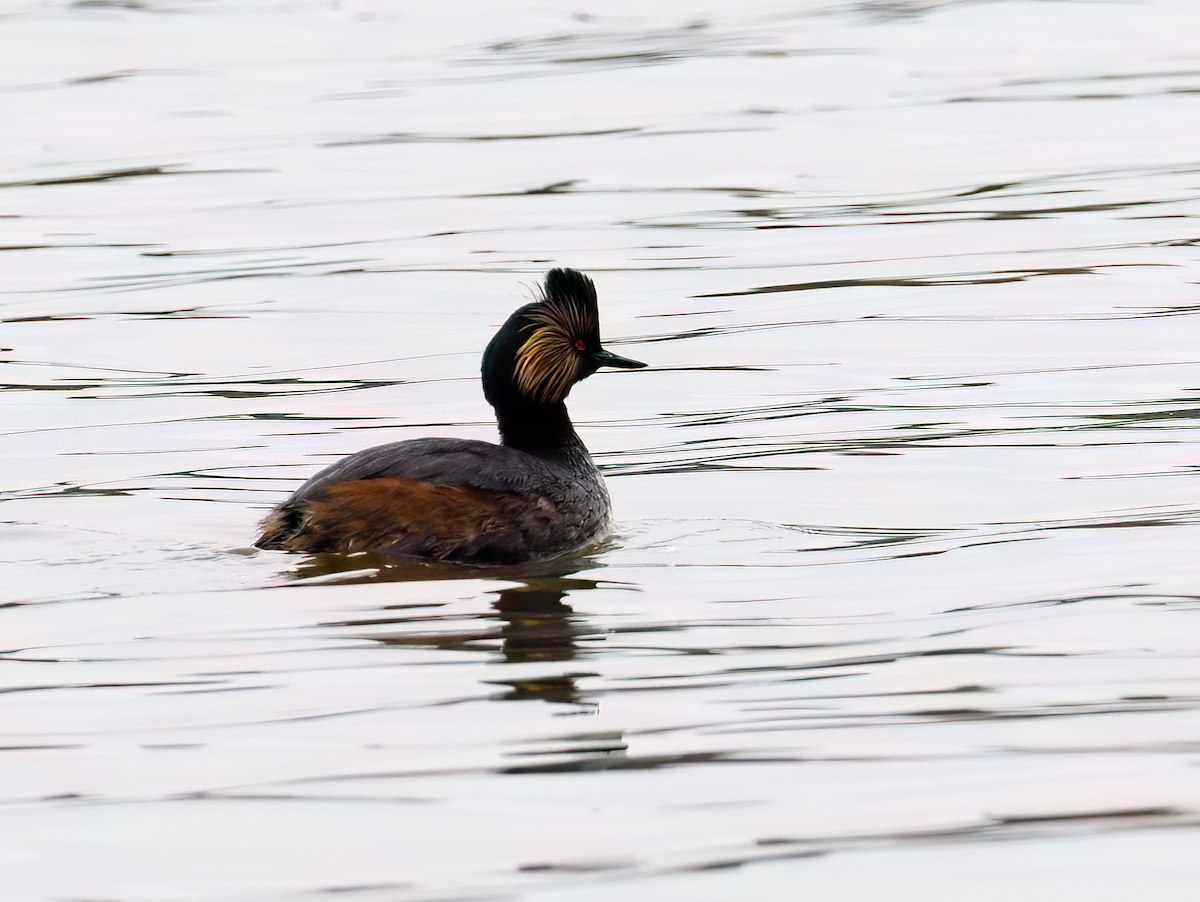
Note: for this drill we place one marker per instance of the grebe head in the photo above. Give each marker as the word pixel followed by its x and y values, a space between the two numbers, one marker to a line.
pixel 546 347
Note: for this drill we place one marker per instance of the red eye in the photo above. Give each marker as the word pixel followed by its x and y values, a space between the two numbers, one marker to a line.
pixel 581 345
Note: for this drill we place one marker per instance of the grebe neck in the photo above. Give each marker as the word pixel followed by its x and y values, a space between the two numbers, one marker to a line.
pixel 543 430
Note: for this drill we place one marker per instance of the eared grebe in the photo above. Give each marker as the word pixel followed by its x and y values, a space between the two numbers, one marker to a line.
pixel 535 495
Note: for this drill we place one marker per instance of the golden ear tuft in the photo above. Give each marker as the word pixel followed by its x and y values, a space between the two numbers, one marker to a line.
pixel 548 361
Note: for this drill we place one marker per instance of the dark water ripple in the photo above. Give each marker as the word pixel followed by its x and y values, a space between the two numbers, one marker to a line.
pixel 1097 192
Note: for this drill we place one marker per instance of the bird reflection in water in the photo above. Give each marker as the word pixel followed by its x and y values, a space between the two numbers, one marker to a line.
pixel 531 621
pixel 539 626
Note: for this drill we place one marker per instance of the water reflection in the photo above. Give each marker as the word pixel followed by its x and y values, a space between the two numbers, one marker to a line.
pixel 528 623
pixel 368 567
pixel 538 626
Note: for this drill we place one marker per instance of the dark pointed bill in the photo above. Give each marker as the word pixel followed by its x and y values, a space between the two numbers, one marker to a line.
pixel 608 358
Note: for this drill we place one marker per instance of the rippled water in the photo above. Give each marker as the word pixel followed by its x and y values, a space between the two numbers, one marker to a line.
pixel 905 598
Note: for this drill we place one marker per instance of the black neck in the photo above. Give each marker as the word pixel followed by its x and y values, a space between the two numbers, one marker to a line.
pixel 543 430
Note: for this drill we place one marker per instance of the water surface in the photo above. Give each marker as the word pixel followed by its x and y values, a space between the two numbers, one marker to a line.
pixel 904 597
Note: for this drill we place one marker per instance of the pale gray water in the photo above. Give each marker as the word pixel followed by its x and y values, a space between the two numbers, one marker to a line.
pixel 906 598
